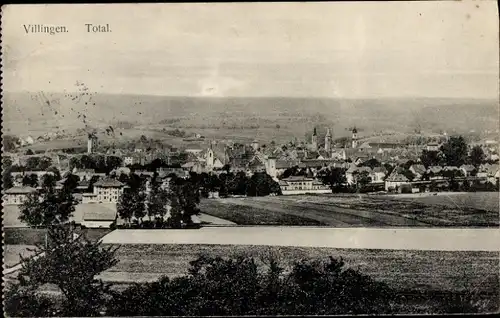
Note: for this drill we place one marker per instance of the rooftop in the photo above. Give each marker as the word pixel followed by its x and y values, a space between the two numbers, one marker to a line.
pixel 20 190
pixel 108 183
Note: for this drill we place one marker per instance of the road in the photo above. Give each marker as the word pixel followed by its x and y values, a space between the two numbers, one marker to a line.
pixel 435 239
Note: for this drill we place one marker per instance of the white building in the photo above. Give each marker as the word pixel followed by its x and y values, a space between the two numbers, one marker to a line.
pixel 105 191
pixel 17 195
pixel 302 185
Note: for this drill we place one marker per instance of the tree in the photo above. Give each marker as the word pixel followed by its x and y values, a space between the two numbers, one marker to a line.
pixel 9 142
pixel 372 163
pixel 48 207
pixel 431 158
pixel 237 286
pixel 48 180
pixel 477 156
pixel 261 184
pixel 71 265
pixel 33 163
pixel 55 171
pixel 75 162
pixel 455 151
pixel 7 180
pixel 184 197
pixel 44 163
pixel 87 162
pixel 334 177
pixel 132 205
pixel 361 179
pixel 30 180
pixel 92 181
pixel 157 201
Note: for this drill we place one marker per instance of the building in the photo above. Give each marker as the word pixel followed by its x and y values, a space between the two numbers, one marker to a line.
pixel 432 146
pixel 468 170
pixel 354 142
pixel 128 160
pixel 395 181
pixel 314 140
pixel 17 195
pixel 86 174
pixel 302 185
pixel 271 168
pixel 91 143
pixel 255 145
pixel 328 141
pixel 105 191
pixel 418 170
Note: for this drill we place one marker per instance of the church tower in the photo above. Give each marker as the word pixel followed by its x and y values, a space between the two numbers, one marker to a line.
pixel 314 140
pixel 328 140
pixel 354 137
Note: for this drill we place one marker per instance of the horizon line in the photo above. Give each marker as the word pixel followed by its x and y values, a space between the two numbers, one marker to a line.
pixel 257 97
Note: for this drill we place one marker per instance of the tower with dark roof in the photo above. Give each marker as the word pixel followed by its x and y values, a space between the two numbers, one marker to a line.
pixel 314 140
pixel 354 137
pixel 328 140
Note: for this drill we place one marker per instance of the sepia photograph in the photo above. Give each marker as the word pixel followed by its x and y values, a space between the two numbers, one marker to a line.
pixel 230 159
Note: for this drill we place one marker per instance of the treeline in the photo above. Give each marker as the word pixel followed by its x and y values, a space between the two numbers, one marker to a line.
pixel 149 203
pixel 171 203
pixel 228 183
pixel 454 152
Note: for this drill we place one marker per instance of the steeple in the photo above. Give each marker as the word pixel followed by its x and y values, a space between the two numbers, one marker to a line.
pixel 314 140
pixel 328 140
pixel 354 137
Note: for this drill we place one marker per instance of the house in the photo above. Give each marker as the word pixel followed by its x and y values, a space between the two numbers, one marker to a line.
pixel 86 174
pixel 38 173
pixel 418 170
pixel 395 181
pixel 128 160
pixel 435 172
pixel 95 215
pixel 468 170
pixel 360 159
pixel 489 171
pixel 17 195
pixel 302 185
pixel 378 174
pixel 106 191
pixel 432 146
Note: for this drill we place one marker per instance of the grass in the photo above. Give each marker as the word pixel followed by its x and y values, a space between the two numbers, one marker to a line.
pixel 32 236
pixel 427 279
pixel 416 270
pixel 489 201
pixel 246 215
pixel 351 211
pixel 12 253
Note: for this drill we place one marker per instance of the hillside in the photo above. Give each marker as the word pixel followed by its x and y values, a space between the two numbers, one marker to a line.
pixel 277 118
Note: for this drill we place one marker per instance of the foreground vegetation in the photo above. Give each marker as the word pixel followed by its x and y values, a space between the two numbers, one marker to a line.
pixel 228 280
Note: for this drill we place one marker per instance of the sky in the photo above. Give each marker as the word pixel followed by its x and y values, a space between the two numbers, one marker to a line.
pixel 341 50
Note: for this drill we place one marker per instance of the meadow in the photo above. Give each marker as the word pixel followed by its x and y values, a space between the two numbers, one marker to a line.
pixel 422 276
pixel 357 210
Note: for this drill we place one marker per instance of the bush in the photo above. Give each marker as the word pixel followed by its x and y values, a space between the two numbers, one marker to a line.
pixel 217 286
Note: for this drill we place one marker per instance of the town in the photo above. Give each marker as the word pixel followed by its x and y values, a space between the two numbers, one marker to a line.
pixel 317 166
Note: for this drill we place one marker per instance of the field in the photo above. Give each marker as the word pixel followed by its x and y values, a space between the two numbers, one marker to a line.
pixel 410 272
pixel 489 201
pixel 476 210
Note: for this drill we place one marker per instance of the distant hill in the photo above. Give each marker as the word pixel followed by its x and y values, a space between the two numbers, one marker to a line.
pixel 277 118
